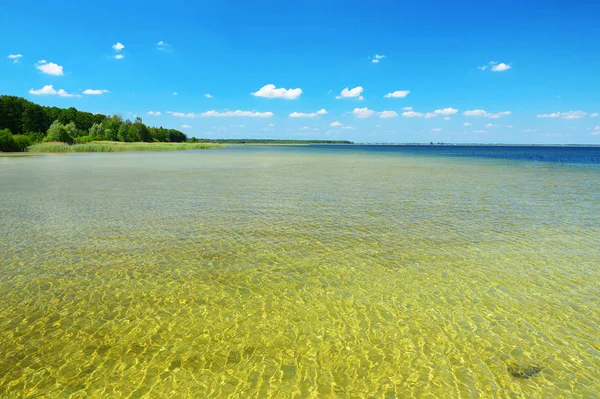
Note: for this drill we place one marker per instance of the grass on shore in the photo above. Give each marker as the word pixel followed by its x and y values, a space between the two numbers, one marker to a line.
pixel 117 146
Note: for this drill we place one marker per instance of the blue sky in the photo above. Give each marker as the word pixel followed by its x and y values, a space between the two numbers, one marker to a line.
pixel 509 72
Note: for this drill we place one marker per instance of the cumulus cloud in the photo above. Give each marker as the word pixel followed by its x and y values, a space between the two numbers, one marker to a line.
pixel 388 114
pixel 49 90
pixel 501 67
pixel 495 66
pixel 185 126
pixel 362 112
pixel 407 108
pixel 445 111
pixel 208 95
pixel 249 114
pixel 175 93
pixel 466 124
pixel 309 115
pixel 351 93
pixel 398 94
pixel 593 115
pixel 119 56
pixel 270 91
pixel 429 115
pixel 49 68
pixel 564 115
pixel 412 114
pixel 157 113
pixel 375 61
pixel 92 92
pixel 15 57
pixel 182 114
pixel 490 125
pixel 485 114
pixel 118 46
pixel 447 118
pixel 335 124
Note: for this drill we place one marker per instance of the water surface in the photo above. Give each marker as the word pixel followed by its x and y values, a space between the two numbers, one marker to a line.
pixel 300 272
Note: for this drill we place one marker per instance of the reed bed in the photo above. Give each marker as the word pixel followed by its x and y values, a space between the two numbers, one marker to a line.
pixel 116 146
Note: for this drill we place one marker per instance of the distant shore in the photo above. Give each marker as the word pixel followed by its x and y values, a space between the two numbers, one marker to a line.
pixel 117 146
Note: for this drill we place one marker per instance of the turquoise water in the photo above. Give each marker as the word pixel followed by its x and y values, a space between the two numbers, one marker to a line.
pixel 300 272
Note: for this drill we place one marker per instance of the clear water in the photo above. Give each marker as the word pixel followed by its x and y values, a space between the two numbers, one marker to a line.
pixel 299 272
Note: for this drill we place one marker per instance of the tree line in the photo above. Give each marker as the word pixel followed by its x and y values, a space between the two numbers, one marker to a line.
pixel 23 123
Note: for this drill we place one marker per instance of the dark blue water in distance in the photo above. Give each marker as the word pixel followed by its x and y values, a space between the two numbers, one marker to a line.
pixel 554 154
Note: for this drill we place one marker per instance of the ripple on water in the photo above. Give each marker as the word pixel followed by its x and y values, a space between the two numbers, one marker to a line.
pixel 294 273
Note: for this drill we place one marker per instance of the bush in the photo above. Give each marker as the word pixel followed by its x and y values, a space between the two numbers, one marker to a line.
pixel 58 132
pixel 35 137
pixel 21 142
pixel 7 142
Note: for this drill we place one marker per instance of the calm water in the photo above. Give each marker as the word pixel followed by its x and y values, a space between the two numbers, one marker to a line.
pixel 302 272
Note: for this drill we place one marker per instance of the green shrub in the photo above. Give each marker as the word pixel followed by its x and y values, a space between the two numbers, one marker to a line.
pixel 21 142
pixel 7 141
pixel 83 139
pixel 58 132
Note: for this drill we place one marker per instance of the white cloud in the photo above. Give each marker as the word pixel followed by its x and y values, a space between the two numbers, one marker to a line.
pixel 270 125
pixel 15 57
pixel 573 115
pixel 362 112
pixel 597 128
pixel 49 68
pixel 597 133
pixel 49 90
pixel 249 114
pixel 447 118
pixel 119 56
pixel 270 91
pixel 466 124
pixel 501 67
pixel 485 114
pixel 397 94
pixel 593 115
pixel 92 92
pixel 335 124
pixel 430 115
pixel 490 125
pixel 175 93
pixel 375 61
pixel 412 114
pixel 157 113
pixel 347 128
pixel 163 46
pixel 304 128
pixel 529 131
pixel 495 66
pixel 388 114
pixel 407 108
pixel 185 126
pixel 564 115
pixel 379 56
pixel 118 46
pixel 208 95
pixel 351 93
pixel 480 131
pixel 446 111
pixel 437 130
pixel 182 114
pixel 305 115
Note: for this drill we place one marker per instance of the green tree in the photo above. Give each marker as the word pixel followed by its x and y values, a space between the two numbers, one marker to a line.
pixel 11 111
pixel 139 132
pixel 72 129
pixel 34 118
pixel 111 127
pixel 96 132
pixel 123 134
pixel 58 132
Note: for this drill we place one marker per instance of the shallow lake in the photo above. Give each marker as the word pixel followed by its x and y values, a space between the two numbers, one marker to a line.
pixel 301 272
